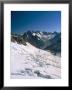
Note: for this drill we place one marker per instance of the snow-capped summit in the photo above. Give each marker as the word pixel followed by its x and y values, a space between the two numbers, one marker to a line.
pixel 33 34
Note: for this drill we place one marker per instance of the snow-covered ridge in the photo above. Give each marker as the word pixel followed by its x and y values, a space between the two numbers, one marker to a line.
pixel 41 35
pixel 31 62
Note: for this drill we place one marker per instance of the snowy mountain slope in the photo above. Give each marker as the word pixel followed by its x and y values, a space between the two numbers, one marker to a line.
pixel 31 62
pixel 44 35
pixel 42 40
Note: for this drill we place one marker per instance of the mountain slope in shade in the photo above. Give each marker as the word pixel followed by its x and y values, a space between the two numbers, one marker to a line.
pixel 28 61
pixel 33 39
pixel 54 44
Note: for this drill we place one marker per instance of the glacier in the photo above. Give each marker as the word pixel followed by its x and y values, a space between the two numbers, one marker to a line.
pixel 29 62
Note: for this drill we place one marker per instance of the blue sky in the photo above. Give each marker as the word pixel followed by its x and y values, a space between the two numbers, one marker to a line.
pixel 22 21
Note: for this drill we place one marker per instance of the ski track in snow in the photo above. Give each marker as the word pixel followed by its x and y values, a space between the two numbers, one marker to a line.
pixel 31 62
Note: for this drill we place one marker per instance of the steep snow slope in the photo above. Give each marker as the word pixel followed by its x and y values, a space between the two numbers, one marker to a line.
pixel 31 62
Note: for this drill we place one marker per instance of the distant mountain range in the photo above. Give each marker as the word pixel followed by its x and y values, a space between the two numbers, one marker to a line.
pixel 44 40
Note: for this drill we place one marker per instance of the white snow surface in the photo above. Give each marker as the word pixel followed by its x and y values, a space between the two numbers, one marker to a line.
pixel 33 34
pixel 29 62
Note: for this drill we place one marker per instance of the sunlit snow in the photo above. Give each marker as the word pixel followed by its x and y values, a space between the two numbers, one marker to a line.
pixel 31 62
